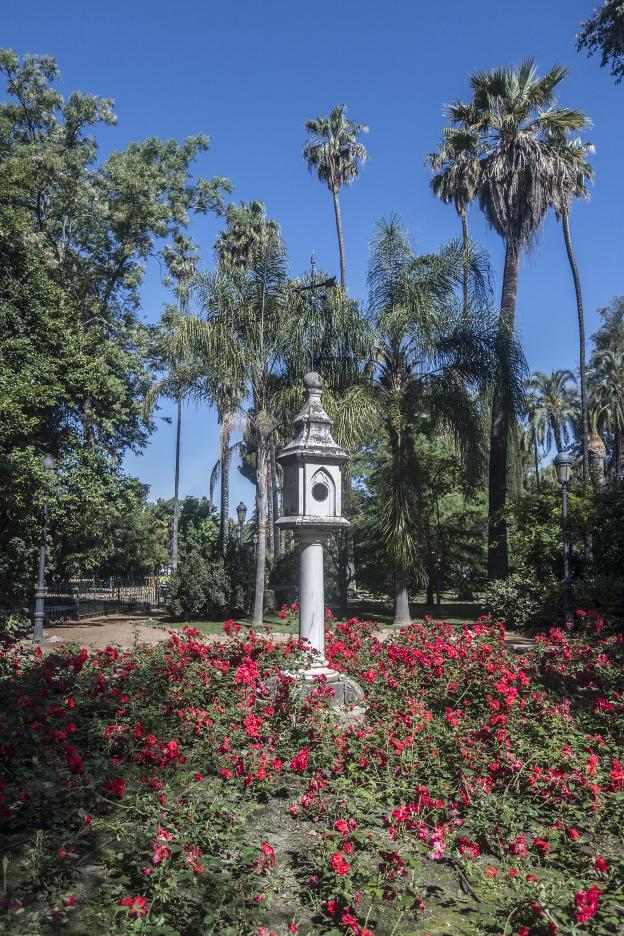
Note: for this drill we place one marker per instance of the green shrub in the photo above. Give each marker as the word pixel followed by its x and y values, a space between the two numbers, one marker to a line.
pixel 200 587
pixel 522 602
pixel 15 625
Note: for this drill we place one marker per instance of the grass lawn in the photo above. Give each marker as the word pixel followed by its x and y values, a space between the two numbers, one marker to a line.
pixel 366 609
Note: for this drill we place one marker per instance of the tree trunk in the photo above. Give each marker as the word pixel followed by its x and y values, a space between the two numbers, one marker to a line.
pixel 278 547
pixel 349 567
pixel 176 491
pixel 597 458
pixel 441 555
pixel 535 456
pixel 343 268
pixel 498 562
pixel 430 564
pixel 466 242
pixel 565 223
pixel 261 508
pixel 270 518
pixel 402 615
pixel 224 524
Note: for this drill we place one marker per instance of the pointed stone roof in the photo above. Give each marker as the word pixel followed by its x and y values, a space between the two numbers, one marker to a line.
pixel 313 439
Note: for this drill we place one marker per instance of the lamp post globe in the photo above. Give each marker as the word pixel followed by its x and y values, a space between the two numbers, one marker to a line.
pixel 563 467
pixel 49 465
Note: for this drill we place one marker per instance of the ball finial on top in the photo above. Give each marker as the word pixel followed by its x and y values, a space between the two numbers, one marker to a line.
pixel 313 381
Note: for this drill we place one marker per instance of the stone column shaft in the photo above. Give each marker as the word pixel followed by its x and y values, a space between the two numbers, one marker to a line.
pixel 312 592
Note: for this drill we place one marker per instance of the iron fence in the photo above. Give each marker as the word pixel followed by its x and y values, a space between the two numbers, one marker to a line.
pixel 85 598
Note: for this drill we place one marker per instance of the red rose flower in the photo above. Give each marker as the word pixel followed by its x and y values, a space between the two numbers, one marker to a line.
pixel 340 866
pixel 586 904
pixel 137 906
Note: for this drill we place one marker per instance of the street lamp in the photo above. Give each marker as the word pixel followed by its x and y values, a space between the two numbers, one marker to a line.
pixel 241 512
pixel 49 465
pixel 563 467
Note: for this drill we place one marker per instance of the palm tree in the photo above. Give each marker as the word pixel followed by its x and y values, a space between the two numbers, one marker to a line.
pixel 513 112
pixel 597 449
pixel 606 392
pixel 227 399
pixel 328 333
pixel 535 433
pixel 576 172
pixel 180 379
pixel 243 328
pixel 457 169
pixel 246 225
pixel 334 153
pixel 431 362
pixel 554 407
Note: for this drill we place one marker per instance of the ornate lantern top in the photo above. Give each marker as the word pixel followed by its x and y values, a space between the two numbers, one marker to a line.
pixel 313 439
pixel 312 468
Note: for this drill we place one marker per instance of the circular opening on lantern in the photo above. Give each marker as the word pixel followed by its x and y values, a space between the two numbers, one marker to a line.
pixel 320 491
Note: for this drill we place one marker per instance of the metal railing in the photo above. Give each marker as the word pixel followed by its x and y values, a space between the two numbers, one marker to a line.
pixel 85 598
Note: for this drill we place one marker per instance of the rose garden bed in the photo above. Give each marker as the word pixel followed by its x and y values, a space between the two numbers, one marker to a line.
pixel 162 790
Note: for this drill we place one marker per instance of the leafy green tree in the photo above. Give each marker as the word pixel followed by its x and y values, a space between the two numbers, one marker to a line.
pixel 603 32
pixel 335 154
pixel 73 365
pixel 514 114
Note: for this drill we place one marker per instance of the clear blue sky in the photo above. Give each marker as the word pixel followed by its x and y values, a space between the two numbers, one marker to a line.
pixel 250 73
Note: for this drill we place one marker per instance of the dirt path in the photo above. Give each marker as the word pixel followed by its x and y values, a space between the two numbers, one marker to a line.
pixel 123 630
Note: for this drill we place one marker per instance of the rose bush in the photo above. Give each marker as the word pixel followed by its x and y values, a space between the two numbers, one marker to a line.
pixel 184 789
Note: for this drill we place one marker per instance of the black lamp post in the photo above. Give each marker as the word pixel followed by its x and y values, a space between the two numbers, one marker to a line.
pixel 563 467
pixel 241 512
pixel 49 465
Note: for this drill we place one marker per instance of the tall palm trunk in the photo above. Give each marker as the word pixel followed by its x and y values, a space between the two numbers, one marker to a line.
pixel 466 242
pixel 176 491
pixel 261 508
pixel 536 458
pixel 343 267
pixel 402 614
pixel 224 445
pixel 430 564
pixel 565 223
pixel 349 555
pixel 498 562
pixel 278 548
pixel 597 458
pixel 270 526
pixel 617 453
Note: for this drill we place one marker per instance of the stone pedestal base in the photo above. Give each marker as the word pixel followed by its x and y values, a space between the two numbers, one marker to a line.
pixel 346 690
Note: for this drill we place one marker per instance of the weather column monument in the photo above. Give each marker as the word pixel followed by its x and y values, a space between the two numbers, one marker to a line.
pixel 312 465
